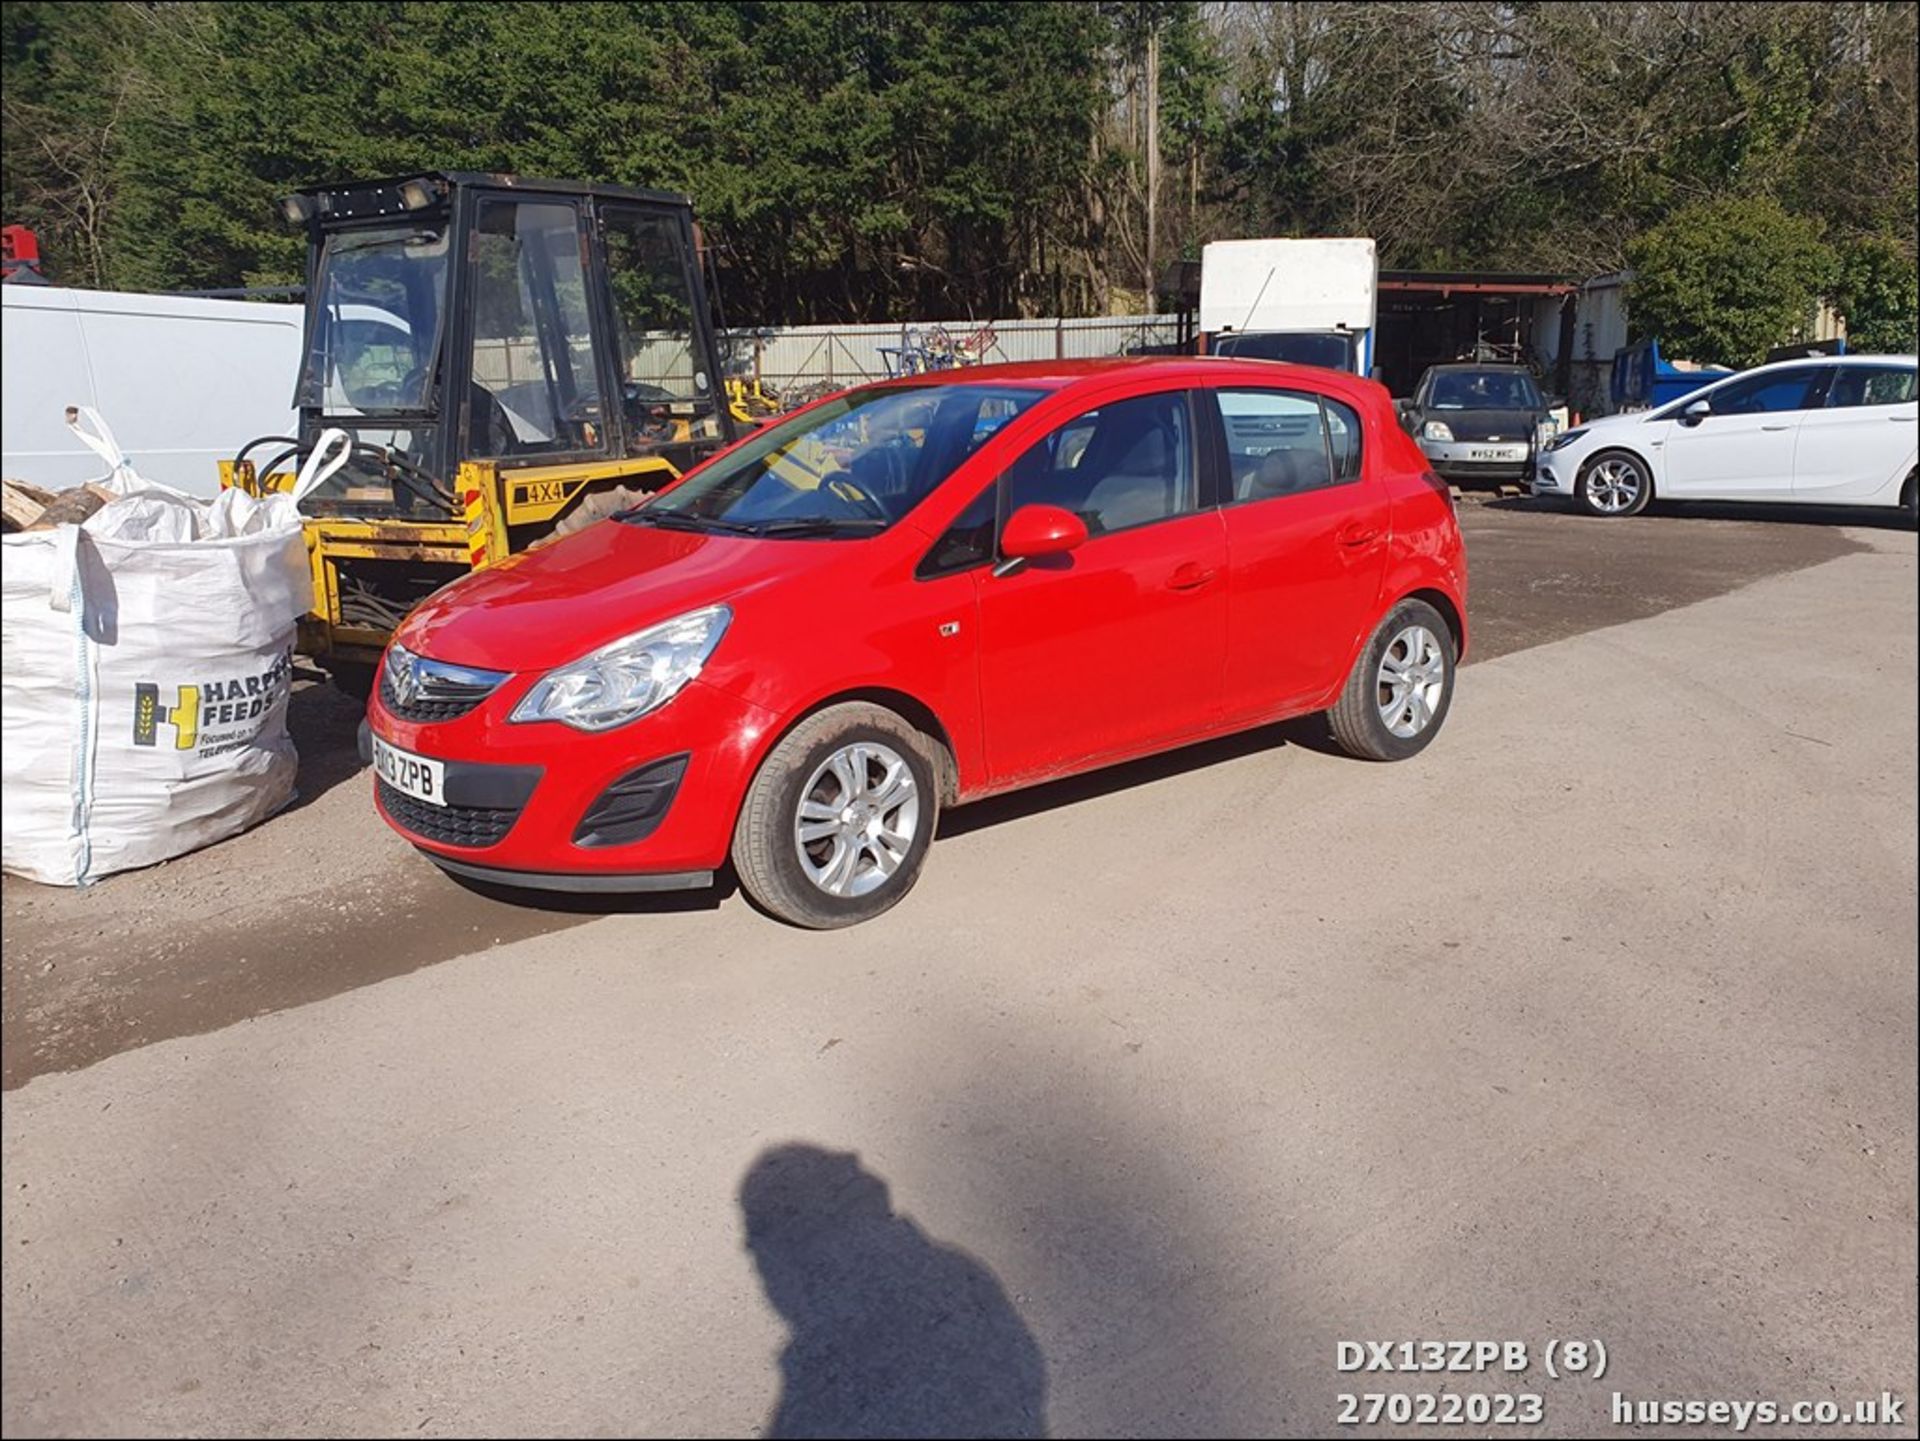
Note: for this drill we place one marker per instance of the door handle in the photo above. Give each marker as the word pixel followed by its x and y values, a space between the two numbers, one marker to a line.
pixel 1190 576
pixel 1358 534
pixel 1776 427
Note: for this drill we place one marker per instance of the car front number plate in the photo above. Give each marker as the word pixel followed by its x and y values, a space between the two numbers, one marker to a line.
pixel 1493 452
pixel 416 776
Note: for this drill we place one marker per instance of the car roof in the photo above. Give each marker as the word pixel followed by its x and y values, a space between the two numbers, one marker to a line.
pixel 1503 367
pixel 1842 360
pixel 1195 369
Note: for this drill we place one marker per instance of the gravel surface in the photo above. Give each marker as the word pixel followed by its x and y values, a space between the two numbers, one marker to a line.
pixel 1596 1021
pixel 325 897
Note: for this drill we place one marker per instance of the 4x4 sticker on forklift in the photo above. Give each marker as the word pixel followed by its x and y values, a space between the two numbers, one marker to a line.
pixel 210 716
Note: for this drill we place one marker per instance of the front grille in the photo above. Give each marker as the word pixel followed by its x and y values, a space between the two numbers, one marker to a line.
pixel 420 708
pixel 1482 467
pixel 416 688
pixel 472 826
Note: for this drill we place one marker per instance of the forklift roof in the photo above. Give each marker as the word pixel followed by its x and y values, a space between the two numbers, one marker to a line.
pixel 370 197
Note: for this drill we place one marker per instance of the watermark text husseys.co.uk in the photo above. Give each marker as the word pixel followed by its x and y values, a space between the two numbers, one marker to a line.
pixel 1886 1409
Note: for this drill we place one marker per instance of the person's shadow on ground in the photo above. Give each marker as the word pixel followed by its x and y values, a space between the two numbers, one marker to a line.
pixel 892 1334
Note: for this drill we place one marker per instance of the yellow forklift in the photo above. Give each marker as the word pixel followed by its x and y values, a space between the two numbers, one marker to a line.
pixel 509 358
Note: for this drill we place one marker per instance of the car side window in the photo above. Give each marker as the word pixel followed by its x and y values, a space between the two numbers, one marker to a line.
pixel 1769 394
pixel 1281 442
pixel 1125 464
pixel 1871 385
pixel 1343 437
pixel 968 541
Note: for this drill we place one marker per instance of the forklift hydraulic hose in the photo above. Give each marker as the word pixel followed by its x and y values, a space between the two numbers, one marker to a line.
pixel 415 479
pixel 246 449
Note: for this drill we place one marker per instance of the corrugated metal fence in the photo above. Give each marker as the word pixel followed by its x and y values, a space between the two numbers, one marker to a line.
pixel 801 356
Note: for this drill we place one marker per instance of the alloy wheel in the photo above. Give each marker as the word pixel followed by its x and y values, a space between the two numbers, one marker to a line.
pixel 858 817
pixel 1412 681
pixel 1613 485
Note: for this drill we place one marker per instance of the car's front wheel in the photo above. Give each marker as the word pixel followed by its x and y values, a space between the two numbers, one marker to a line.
pixel 1400 690
pixel 836 824
pixel 1615 483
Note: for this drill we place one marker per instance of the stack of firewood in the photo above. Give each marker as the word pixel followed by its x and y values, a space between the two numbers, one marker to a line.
pixel 28 507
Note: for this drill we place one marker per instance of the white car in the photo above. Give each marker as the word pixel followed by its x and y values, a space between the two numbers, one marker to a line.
pixel 1828 430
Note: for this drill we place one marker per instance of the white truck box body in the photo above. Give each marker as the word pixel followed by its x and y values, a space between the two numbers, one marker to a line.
pixel 1292 286
pixel 184 382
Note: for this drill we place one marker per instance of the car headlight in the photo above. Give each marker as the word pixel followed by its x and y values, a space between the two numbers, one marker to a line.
pixel 1436 430
pixel 1566 438
pixel 623 681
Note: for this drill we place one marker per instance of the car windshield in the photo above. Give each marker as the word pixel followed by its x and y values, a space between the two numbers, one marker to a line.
pixel 1483 390
pixel 852 465
pixel 1330 352
pixel 376 320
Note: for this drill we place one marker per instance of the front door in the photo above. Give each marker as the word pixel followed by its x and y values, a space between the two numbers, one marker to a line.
pixel 534 394
pixel 1116 647
pixel 1743 448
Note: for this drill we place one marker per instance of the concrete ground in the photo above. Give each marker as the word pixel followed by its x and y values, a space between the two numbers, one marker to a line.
pixel 1598 1020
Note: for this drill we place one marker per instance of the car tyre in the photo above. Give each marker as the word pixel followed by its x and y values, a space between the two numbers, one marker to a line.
pixel 1614 484
pixel 1910 499
pixel 1400 689
pixel 836 824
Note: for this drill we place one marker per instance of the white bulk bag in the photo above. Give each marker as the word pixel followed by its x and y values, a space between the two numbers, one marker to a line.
pixel 145 664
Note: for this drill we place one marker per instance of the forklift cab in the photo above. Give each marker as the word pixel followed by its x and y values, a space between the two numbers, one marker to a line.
pixel 500 352
pixel 455 317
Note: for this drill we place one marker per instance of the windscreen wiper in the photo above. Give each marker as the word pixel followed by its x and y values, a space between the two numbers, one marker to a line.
pixel 681 520
pixel 818 525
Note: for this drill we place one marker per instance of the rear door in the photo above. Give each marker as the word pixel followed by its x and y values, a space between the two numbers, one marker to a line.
pixel 1306 534
pixel 1115 647
pixel 1743 449
pixel 1859 445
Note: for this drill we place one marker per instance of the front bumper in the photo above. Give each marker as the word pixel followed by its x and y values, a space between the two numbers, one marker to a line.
pixel 574 884
pixel 1480 459
pixel 1553 475
pixel 545 806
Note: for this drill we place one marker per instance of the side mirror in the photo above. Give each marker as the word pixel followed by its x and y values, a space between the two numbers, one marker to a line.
pixel 1040 530
pixel 1698 411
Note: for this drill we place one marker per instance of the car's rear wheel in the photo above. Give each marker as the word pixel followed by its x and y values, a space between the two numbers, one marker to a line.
pixel 1615 483
pixel 1910 499
pixel 1400 690
pixel 836 824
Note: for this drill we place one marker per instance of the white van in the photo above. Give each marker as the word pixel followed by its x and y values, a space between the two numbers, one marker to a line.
pixel 183 382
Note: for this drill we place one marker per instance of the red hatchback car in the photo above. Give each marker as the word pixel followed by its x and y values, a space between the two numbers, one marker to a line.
pixel 913 595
